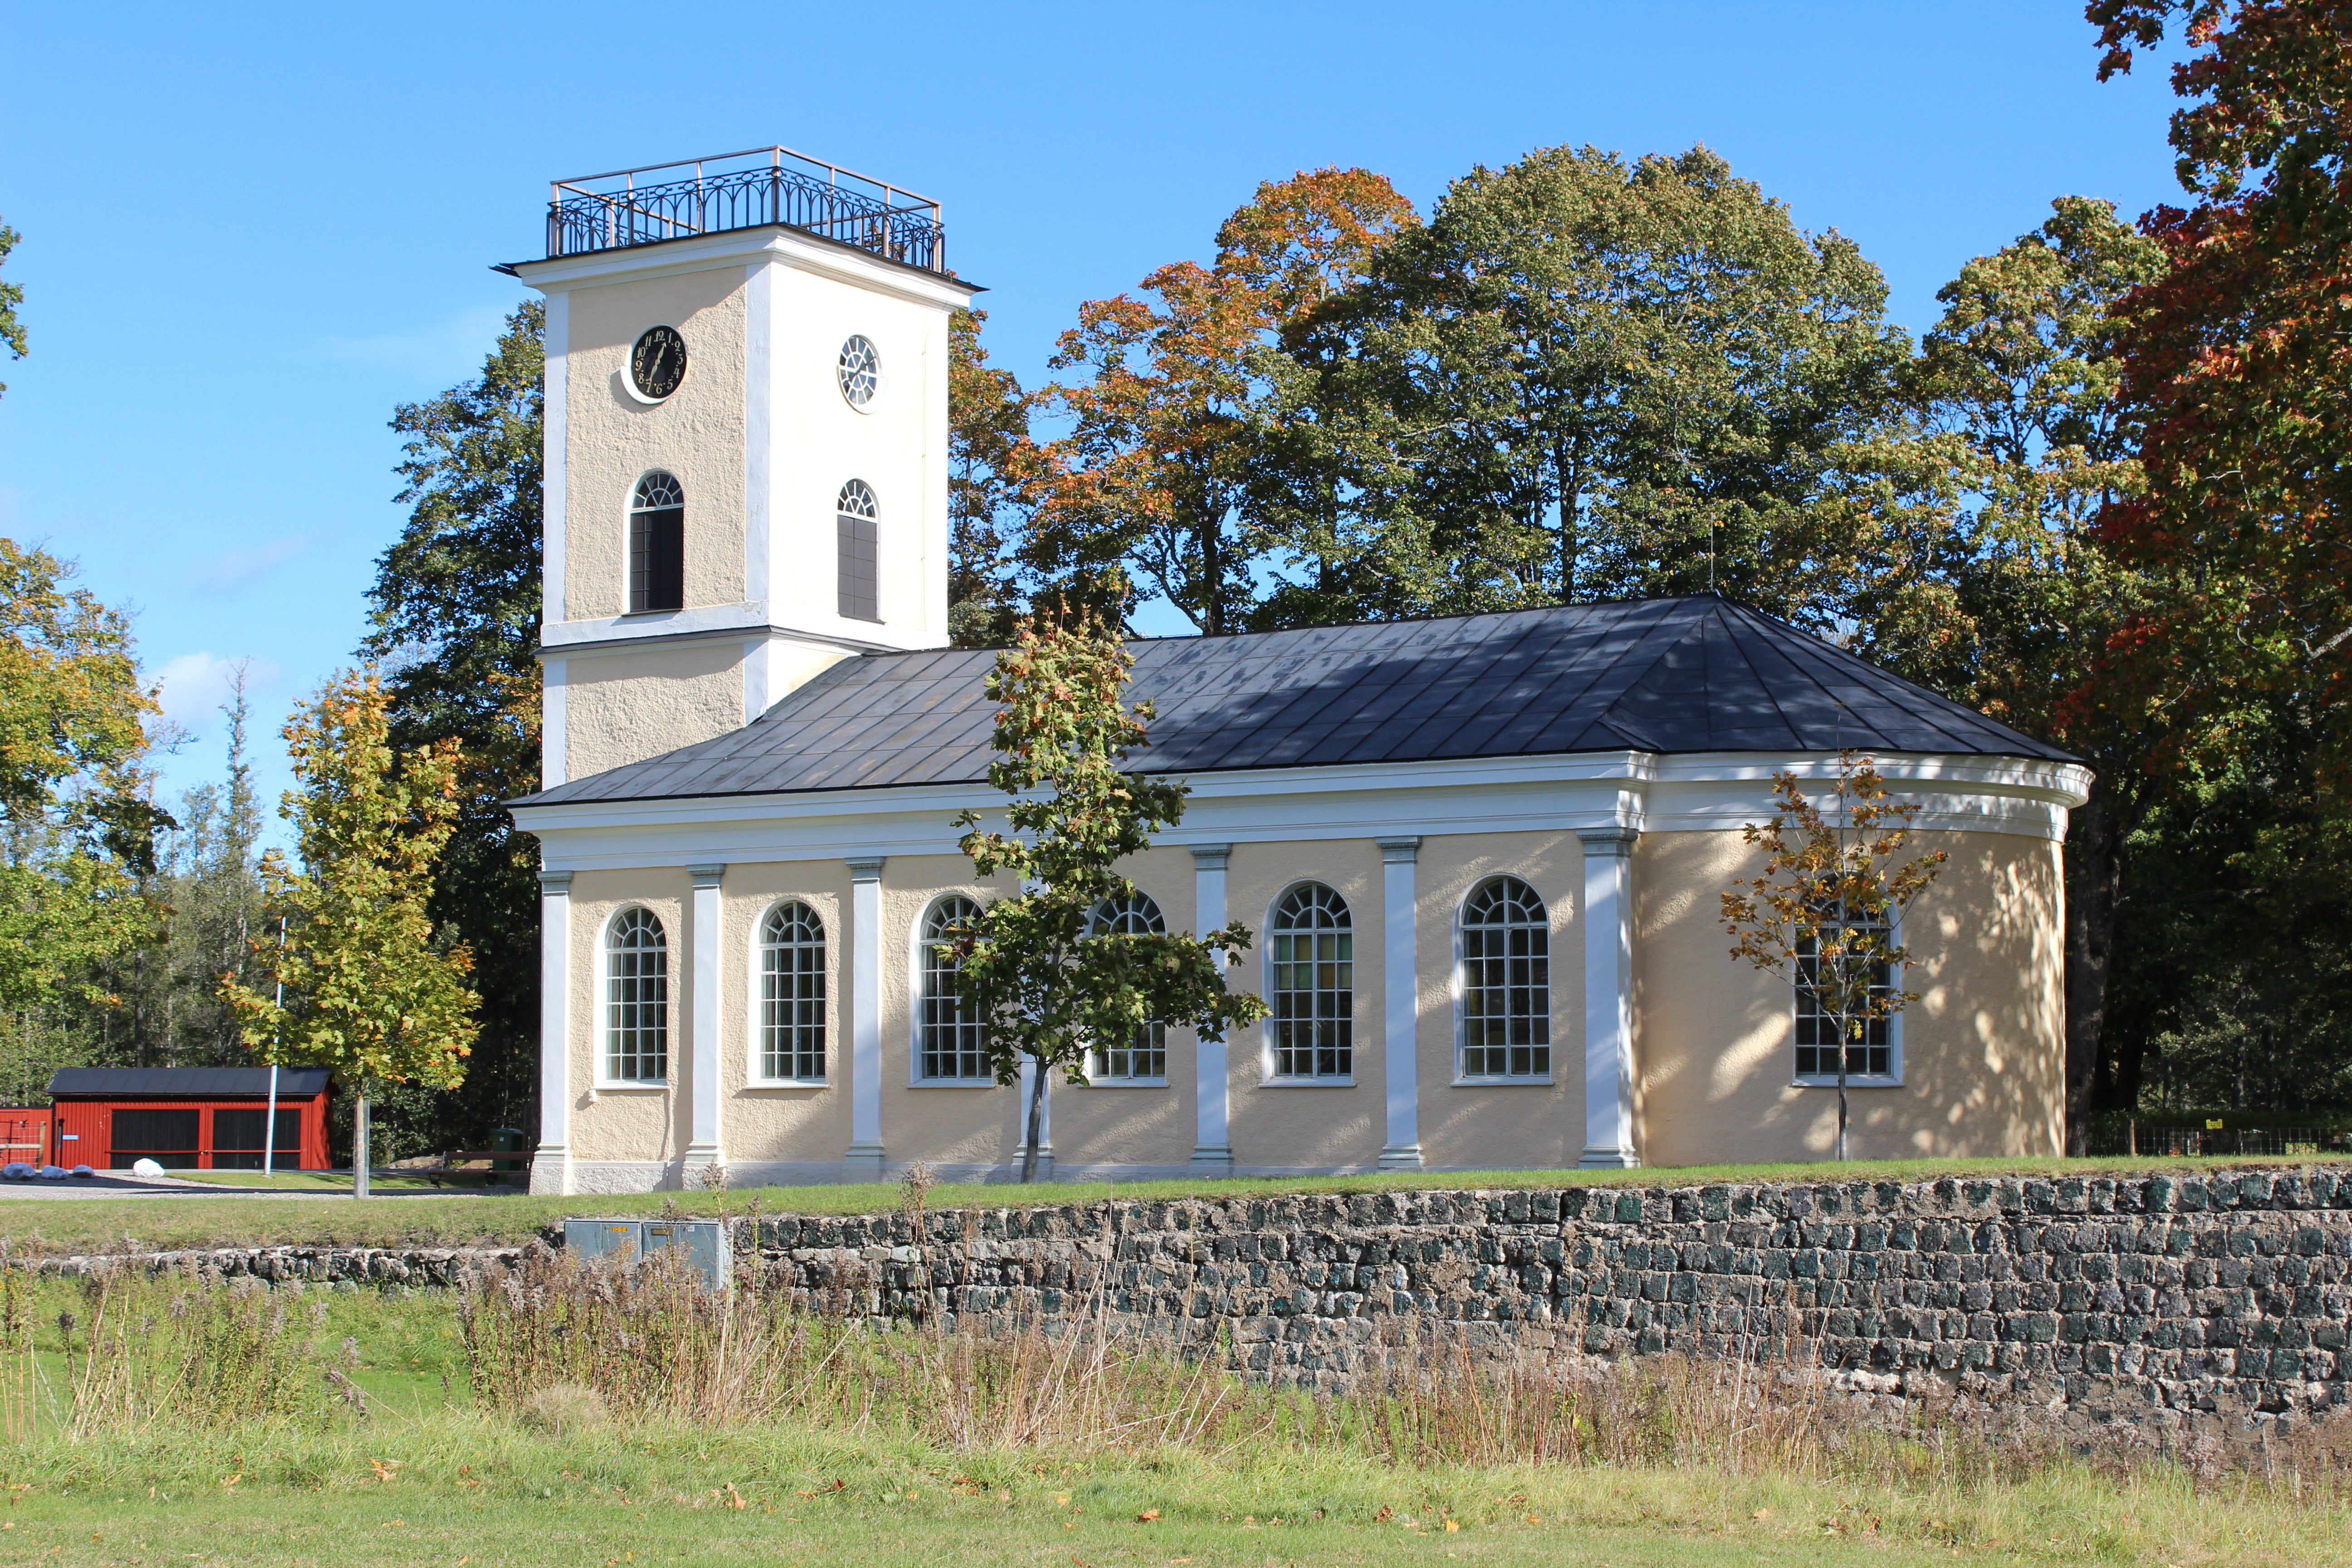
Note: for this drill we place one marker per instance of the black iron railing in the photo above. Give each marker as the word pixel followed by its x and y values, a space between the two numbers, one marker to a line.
pixel 744 190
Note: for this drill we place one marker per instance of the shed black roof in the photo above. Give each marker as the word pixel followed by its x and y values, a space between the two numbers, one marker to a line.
pixel 194 1083
pixel 1656 675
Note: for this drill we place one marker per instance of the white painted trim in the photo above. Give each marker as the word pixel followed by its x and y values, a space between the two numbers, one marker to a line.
pixel 599 1038
pixel 705 1145
pixel 738 247
pixel 553 716
pixel 1213 1150
pixel 760 406
pixel 1266 1073
pixel 1553 920
pixel 755 982
pixel 866 1011
pixel 555 426
pixel 550 1168
pixel 1891 1080
pixel 1400 1003
pixel 1609 1000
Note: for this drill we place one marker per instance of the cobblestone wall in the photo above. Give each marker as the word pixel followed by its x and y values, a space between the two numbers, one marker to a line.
pixel 2158 1299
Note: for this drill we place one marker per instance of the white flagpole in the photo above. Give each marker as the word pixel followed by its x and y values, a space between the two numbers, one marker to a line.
pixel 269 1126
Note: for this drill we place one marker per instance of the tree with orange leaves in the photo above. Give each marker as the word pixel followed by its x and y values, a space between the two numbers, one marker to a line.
pixel 1159 470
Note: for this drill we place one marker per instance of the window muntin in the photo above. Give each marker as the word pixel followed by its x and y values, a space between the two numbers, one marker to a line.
pixel 858 520
pixel 859 371
pixel 1872 1055
pixel 952 1037
pixel 792 995
pixel 637 999
pixel 1506 982
pixel 1313 984
pixel 657 544
pixel 1143 1056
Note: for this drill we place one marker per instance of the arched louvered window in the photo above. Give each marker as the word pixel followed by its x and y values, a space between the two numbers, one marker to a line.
pixel 637 999
pixel 859 520
pixel 1506 982
pixel 1143 1056
pixel 952 1037
pixel 657 544
pixel 792 995
pixel 1313 989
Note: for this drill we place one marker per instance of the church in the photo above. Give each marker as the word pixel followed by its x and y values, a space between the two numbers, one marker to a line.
pixel 1480 857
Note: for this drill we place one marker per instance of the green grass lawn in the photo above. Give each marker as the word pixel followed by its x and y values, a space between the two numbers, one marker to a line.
pixel 411 1218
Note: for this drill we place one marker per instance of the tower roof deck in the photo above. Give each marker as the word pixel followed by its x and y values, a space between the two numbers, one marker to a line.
pixel 757 188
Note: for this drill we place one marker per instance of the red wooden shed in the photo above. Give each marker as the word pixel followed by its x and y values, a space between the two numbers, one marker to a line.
pixel 23 1134
pixel 204 1119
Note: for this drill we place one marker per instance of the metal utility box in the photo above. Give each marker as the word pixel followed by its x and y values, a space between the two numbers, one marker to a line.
pixel 703 1243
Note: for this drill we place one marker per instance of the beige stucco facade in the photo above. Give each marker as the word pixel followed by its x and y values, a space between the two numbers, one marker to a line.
pixel 1714 1038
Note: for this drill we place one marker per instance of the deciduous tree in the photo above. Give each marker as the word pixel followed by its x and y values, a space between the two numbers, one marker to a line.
pixel 1051 987
pixel 361 984
pixel 987 426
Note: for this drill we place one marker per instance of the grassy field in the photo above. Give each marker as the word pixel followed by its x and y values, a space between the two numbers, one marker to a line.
pixel 412 1218
pixel 415 1469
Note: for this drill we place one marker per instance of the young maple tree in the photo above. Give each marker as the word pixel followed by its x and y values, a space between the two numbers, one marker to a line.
pixel 358 983
pixel 1824 912
pixel 1050 984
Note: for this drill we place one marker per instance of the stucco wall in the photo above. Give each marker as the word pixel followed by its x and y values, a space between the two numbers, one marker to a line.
pixel 614 438
pixel 623 707
pixel 1982 1048
pixel 611 1122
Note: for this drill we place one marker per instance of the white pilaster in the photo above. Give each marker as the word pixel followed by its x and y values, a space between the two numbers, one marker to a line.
pixel 760 405
pixel 1400 1021
pixel 1608 998
pixel 704 1147
pixel 550 1171
pixel 554 382
pixel 865 1158
pixel 551 723
pixel 1212 1148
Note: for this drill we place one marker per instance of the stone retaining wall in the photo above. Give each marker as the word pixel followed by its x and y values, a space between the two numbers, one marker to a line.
pixel 2161 1299
pixel 425 1267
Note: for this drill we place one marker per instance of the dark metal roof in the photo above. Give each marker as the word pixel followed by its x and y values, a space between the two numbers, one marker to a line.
pixel 194 1083
pixel 1656 675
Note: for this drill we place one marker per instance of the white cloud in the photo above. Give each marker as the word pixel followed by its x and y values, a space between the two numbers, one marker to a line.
pixel 196 685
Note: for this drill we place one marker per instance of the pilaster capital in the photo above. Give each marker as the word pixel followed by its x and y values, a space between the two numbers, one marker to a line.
pixel 866 868
pixel 706 876
pixel 1616 842
pixel 555 884
pixel 1399 851
pixel 1210 856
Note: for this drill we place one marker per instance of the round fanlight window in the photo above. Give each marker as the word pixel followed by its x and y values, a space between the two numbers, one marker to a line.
pixel 860 371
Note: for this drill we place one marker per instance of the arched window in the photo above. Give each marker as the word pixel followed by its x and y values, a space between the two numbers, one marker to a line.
pixel 791 994
pixel 859 516
pixel 953 1042
pixel 1869 1053
pixel 637 999
pixel 657 544
pixel 1506 982
pixel 1144 1055
pixel 1314 984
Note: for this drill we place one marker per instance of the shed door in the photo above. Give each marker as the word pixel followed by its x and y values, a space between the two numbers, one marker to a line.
pixel 166 1137
pixel 237 1140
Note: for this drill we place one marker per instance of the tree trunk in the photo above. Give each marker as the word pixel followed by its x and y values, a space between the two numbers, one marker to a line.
pixel 360 1145
pixel 1037 1119
pixel 2094 876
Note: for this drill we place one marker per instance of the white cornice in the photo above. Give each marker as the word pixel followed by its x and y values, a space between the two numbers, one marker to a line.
pixel 747 248
pixel 1719 793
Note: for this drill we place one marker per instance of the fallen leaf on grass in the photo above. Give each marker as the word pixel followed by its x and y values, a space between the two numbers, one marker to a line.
pixel 1147 1516
pixel 1762 1513
pixel 1385 1515
pixel 1452 1525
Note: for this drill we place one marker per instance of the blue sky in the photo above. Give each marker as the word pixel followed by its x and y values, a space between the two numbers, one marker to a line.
pixel 250 231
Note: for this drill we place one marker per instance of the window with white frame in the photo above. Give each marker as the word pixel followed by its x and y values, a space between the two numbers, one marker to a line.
pixel 857 516
pixel 1869 1050
pixel 637 999
pixel 792 995
pixel 953 1037
pixel 1313 984
pixel 1142 1056
pixel 657 544
pixel 1505 983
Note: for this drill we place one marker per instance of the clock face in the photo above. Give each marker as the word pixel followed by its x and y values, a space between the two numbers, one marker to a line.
pixel 658 363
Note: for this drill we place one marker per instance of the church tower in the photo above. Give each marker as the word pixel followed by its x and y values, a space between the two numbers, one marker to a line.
pixel 747 443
